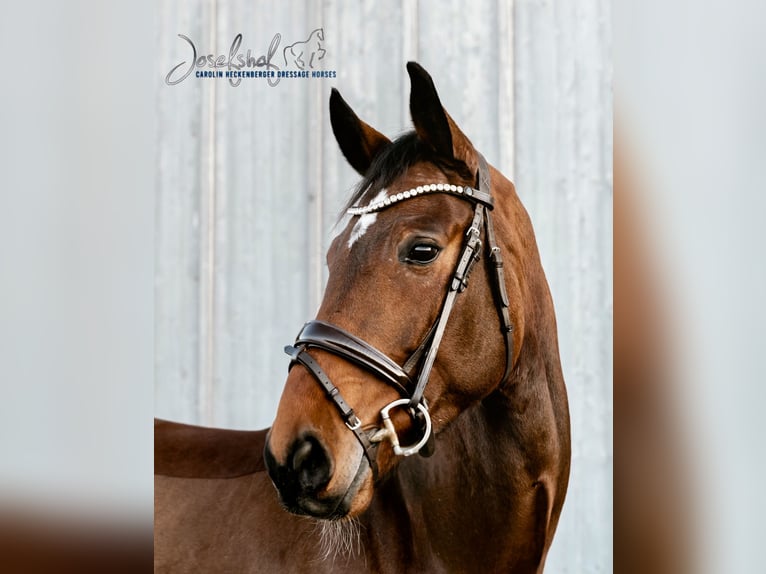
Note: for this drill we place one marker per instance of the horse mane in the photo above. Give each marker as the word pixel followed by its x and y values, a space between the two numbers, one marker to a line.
pixel 394 161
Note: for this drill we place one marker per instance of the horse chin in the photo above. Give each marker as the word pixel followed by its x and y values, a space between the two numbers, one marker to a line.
pixel 362 497
pixel 350 503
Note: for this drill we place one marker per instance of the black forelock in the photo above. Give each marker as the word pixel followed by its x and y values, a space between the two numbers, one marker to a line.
pixel 394 161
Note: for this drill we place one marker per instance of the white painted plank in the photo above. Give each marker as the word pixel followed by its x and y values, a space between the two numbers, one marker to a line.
pixel 180 187
pixel 563 175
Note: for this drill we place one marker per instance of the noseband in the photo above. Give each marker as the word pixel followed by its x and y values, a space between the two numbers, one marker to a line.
pixel 333 339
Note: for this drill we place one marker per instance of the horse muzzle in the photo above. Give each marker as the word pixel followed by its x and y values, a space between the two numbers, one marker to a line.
pixel 302 480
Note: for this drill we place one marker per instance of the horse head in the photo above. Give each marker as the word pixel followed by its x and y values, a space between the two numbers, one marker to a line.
pixel 391 270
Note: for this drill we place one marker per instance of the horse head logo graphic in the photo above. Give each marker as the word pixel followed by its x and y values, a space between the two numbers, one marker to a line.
pixel 305 54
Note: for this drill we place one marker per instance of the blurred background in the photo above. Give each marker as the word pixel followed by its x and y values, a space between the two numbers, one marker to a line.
pixel 77 193
pixel 250 182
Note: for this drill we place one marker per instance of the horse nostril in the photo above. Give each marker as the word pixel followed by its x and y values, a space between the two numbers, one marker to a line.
pixel 311 464
pixel 301 453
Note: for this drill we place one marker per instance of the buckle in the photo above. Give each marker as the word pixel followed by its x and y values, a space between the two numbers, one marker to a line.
pixel 354 423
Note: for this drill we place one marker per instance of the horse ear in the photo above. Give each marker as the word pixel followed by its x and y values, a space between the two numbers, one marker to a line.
pixel 432 122
pixel 359 142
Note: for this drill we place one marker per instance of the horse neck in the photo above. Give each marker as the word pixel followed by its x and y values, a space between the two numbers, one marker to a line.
pixel 490 497
pixel 481 503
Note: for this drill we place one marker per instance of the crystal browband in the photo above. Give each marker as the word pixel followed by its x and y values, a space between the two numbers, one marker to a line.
pixel 465 192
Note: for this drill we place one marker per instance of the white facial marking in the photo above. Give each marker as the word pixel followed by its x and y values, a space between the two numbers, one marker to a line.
pixel 364 222
pixel 340 226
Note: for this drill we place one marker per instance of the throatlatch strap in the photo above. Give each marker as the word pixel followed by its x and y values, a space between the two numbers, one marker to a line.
pixel 500 291
pixel 502 302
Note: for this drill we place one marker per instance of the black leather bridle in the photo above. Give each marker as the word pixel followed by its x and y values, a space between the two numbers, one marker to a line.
pixel 333 339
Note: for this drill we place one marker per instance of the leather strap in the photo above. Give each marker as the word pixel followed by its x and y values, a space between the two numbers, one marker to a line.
pixel 502 303
pixel 340 342
pixel 468 258
pixel 481 196
pixel 299 355
pixel 415 357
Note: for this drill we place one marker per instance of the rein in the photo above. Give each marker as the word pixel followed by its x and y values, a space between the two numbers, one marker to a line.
pixel 333 339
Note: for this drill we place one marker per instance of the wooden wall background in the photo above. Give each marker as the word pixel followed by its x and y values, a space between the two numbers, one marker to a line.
pixel 249 182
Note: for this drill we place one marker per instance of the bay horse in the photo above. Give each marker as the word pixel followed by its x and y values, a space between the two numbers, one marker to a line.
pixel 403 357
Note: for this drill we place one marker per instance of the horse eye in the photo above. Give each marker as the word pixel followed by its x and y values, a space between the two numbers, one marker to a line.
pixel 422 253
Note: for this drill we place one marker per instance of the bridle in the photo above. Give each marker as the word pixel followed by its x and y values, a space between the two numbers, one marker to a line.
pixel 333 339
